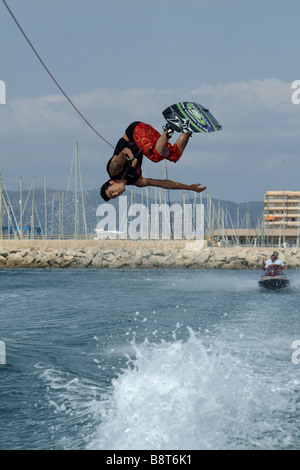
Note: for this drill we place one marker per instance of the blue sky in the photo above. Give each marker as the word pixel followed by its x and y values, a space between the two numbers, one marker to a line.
pixel 124 61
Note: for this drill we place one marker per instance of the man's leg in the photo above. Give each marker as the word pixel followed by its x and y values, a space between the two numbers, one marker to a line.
pixel 156 146
pixel 182 141
pixel 170 152
pixel 149 139
pixel 162 143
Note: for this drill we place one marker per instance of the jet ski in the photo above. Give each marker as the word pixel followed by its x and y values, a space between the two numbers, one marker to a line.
pixel 273 278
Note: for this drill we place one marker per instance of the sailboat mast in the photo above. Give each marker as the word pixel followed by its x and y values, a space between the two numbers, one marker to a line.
pixel 283 208
pixel 76 190
pixel 1 213
pixel 21 207
pixel 45 206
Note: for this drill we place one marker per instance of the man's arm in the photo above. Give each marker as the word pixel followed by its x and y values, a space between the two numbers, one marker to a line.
pixel 118 162
pixel 168 184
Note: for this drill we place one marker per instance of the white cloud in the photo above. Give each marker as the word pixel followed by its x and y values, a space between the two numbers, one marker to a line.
pixel 37 115
pixel 269 92
pixel 260 128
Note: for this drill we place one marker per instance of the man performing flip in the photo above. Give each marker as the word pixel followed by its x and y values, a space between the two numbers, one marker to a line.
pixel 125 166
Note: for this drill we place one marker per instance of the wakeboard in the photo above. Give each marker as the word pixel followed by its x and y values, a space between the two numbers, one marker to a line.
pixel 190 116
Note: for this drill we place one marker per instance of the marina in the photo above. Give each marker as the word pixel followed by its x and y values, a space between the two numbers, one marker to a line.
pixel 74 214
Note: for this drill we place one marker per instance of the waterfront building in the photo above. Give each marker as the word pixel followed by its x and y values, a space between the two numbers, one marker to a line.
pixel 282 217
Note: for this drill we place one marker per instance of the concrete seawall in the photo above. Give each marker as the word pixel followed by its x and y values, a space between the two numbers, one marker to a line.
pixel 135 254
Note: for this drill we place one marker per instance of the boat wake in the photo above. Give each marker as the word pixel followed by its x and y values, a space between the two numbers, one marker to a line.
pixel 172 395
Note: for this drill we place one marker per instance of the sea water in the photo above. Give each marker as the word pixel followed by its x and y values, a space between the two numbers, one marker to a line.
pixel 148 359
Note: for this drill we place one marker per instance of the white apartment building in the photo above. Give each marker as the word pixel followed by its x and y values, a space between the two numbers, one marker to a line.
pixel 282 209
pixel 282 216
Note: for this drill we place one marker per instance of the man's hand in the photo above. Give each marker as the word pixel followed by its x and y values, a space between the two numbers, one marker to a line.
pixel 197 188
pixel 126 153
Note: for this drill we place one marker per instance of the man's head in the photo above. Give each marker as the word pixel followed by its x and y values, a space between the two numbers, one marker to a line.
pixel 276 254
pixel 111 189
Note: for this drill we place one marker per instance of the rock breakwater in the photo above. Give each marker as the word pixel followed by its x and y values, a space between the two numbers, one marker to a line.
pixel 136 254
